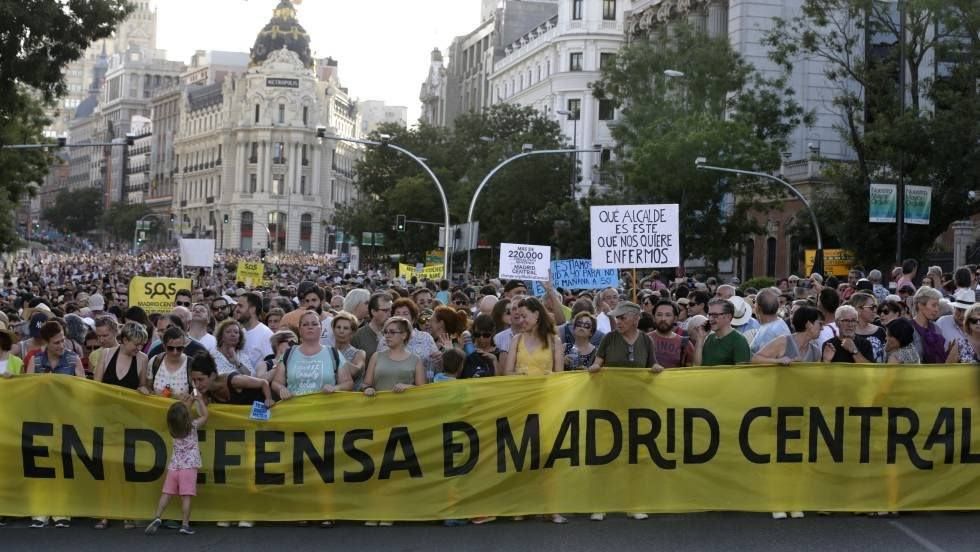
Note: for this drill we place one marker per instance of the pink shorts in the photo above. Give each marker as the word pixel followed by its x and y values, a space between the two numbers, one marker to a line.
pixel 181 482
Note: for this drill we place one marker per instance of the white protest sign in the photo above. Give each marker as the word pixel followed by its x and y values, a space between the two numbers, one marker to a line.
pixel 197 253
pixel 635 236
pixel 524 262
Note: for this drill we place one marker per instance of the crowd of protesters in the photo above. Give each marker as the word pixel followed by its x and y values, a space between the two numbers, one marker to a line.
pixel 311 329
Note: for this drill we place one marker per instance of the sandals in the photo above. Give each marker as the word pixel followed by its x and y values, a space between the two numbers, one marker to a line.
pixel 102 524
pixel 326 524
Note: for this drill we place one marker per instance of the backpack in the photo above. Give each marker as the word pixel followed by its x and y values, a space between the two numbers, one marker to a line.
pixel 333 352
pixel 155 364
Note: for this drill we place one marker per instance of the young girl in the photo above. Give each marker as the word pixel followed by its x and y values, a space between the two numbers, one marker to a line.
pixel 186 459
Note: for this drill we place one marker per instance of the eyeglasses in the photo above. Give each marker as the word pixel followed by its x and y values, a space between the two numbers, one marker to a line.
pixel 586 325
pixel 716 314
pixel 183 303
pixel 393 332
pixel 219 307
pixel 629 351
pixel 177 349
pixel 973 321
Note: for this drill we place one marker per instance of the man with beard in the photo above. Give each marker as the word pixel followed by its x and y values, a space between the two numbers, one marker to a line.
pixel 257 334
pixel 220 309
pixel 672 349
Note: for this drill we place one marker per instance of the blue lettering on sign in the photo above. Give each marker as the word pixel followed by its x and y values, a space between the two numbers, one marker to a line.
pixel 577 274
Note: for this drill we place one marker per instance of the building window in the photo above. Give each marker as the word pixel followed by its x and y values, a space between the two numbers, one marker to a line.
pixel 306 161
pixel 253 183
pixel 302 185
pixel 256 113
pixel 253 156
pixel 278 184
pixel 606 110
pixel 609 10
pixel 771 257
pixel 279 153
pixel 576 10
pixel 606 59
pixel 282 114
pixel 246 231
pixel 305 232
pixel 277 228
pixel 749 271
pixel 574 109
pixel 575 61
pixel 306 115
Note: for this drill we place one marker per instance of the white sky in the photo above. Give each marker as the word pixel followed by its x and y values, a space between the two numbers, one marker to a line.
pixel 382 46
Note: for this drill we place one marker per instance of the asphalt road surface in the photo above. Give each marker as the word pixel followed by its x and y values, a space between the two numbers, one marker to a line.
pixel 729 532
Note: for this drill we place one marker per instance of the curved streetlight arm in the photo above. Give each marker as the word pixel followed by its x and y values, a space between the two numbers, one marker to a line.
pixel 432 175
pixel 818 258
pixel 501 165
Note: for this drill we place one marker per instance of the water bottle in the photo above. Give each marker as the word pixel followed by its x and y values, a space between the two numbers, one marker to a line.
pixel 468 347
pixel 576 358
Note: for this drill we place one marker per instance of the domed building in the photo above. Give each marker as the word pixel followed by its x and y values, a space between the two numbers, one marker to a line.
pixel 252 173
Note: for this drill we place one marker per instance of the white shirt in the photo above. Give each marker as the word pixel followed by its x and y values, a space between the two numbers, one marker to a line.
pixel 257 344
pixel 207 341
pixel 502 339
pixel 828 332
pixel 603 324
pixel 950 330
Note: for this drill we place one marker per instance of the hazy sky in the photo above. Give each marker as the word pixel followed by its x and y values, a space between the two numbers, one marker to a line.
pixel 382 46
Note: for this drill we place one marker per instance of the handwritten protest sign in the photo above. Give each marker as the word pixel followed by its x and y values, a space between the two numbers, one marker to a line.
pixel 635 236
pixel 524 262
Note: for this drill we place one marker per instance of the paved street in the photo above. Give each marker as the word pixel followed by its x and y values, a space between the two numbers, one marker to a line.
pixel 930 532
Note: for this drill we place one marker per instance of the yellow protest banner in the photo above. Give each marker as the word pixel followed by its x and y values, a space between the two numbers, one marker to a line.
pixel 754 438
pixel 156 294
pixel 431 272
pixel 252 274
pixel 835 261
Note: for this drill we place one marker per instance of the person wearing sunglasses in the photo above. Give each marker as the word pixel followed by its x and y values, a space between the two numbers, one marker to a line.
pixel 281 341
pixel 864 303
pixel 125 365
pixel 580 353
pixel 485 360
pixel 169 375
pixel 183 298
pixel 966 350
pixel 220 309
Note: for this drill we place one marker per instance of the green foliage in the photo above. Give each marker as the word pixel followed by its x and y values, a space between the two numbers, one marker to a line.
pixel 120 220
pixel 518 204
pixel 75 212
pixel 39 38
pixel 934 142
pixel 722 109
pixel 759 283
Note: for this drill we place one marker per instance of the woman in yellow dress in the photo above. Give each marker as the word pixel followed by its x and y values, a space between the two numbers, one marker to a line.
pixel 537 349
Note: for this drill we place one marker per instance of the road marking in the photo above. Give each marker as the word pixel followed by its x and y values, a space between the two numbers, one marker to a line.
pixel 926 543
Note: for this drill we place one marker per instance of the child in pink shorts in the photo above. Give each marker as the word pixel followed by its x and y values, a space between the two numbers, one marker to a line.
pixel 186 460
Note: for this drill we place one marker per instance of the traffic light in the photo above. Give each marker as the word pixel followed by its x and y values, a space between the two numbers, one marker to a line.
pixel 399 223
pixel 226 219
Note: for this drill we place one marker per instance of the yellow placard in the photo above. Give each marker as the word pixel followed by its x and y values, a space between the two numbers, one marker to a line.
pixel 754 438
pixel 156 294
pixel 431 272
pixel 835 261
pixel 252 274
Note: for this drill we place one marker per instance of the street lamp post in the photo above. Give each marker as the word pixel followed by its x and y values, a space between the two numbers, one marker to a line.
pixel 574 117
pixel 527 153
pixel 386 143
pixel 700 163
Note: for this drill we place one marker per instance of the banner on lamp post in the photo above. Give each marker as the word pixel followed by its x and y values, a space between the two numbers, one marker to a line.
pixel 882 203
pixel 918 204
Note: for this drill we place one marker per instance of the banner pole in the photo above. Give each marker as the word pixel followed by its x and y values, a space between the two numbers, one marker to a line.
pixel 634 285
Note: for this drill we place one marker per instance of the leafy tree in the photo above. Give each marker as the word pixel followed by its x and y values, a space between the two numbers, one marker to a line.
pixel 513 206
pixel 75 212
pixel 120 220
pixel 934 141
pixel 37 39
pixel 721 108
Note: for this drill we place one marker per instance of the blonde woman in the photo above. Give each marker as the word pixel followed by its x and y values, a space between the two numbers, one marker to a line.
pixel 967 351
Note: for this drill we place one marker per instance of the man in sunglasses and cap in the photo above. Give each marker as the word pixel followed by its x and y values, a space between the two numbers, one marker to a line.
pixel 626 346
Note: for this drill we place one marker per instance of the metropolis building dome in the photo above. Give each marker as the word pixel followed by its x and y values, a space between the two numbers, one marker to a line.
pixel 283 30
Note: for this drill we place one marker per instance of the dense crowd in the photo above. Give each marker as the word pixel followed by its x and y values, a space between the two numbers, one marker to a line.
pixel 312 329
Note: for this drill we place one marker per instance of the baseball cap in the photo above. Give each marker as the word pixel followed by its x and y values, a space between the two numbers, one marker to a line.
pixel 625 307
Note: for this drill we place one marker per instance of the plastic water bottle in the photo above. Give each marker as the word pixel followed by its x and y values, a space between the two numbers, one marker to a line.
pixel 468 347
pixel 576 358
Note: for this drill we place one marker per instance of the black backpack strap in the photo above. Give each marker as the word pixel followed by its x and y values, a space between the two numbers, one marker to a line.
pixel 155 363
pixel 336 364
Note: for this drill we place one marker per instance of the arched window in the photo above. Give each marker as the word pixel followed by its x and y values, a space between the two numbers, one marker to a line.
pixel 305 232
pixel 749 270
pixel 771 257
pixel 246 231
pixel 278 226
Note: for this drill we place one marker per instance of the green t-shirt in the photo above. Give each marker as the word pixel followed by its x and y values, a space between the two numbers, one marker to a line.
pixel 731 349
pixel 615 351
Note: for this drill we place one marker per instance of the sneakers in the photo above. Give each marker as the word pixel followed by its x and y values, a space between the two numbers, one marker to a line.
pixel 186 530
pixel 385 523
pixel 454 522
pixel 779 515
pixel 171 524
pixel 638 516
pixel 39 523
pixel 482 519
pixel 62 523
pixel 796 515
pixel 598 516
pixel 558 518
pixel 224 524
pixel 246 524
pixel 370 523
pixel 151 529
